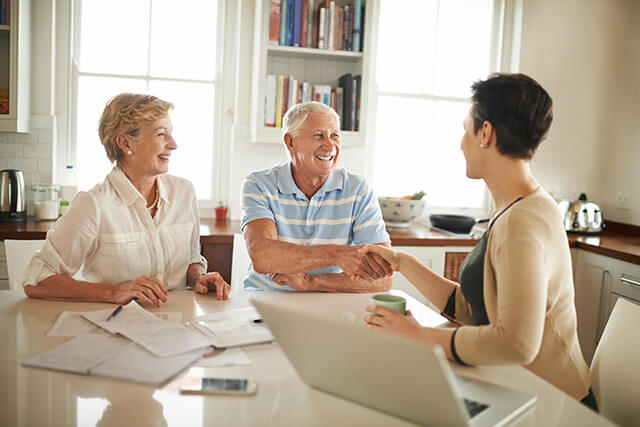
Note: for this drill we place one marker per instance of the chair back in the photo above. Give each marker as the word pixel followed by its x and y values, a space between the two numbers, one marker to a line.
pixel 19 254
pixel 240 263
pixel 615 376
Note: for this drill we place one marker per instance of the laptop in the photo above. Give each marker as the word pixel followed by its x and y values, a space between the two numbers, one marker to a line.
pixel 406 379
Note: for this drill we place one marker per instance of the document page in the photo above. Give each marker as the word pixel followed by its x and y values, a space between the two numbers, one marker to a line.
pixel 136 364
pixel 236 327
pixel 80 354
pixel 71 323
pixel 160 337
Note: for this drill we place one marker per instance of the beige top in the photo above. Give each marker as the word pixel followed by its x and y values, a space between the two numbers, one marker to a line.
pixel 529 298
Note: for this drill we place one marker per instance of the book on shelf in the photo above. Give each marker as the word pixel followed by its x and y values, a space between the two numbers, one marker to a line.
pixel 315 24
pixel 305 18
pixel 321 19
pixel 274 21
pixel 297 22
pixel 290 15
pixel 271 88
pixel 331 27
pixel 358 89
pixel 283 23
pixel 357 25
pixel 309 22
pixel 339 102
pixel 279 92
pixel 346 83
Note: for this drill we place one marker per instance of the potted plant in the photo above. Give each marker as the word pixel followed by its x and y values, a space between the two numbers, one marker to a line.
pixel 221 212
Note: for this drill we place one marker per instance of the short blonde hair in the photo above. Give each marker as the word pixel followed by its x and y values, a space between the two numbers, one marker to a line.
pixel 127 113
pixel 295 117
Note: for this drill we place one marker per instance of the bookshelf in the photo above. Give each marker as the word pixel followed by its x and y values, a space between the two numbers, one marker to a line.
pixel 15 67
pixel 318 66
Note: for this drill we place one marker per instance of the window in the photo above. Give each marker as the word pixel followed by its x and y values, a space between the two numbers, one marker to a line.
pixel 428 54
pixel 166 48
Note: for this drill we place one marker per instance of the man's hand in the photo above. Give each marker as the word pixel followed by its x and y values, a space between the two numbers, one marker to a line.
pixel 362 265
pixel 213 282
pixel 143 288
pixel 297 281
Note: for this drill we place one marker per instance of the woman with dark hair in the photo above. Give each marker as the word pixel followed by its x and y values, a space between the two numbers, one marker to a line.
pixel 515 300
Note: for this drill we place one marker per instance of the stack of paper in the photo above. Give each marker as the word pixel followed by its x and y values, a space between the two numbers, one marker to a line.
pixel 232 328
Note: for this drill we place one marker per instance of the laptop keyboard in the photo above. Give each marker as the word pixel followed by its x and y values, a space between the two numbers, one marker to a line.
pixel 473 407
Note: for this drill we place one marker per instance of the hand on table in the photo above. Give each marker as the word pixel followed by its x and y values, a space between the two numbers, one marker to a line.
pixel 367 265
pixel 213 282
pixel 143 288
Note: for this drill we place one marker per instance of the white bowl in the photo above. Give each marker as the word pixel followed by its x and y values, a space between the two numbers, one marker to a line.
pixel 398 212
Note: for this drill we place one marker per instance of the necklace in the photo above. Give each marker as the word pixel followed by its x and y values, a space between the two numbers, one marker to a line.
pixel 155 201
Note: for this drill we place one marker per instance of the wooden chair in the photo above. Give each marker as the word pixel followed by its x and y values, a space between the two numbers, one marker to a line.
pixel 615 376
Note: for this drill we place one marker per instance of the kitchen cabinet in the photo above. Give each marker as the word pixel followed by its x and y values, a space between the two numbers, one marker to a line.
pixel 433 257
pixel 15 57
pixel 592 281
pixel 318 66
pixel 625 284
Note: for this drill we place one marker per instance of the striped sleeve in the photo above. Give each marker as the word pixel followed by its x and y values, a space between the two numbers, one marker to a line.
pixel 368 225
pixel 255 204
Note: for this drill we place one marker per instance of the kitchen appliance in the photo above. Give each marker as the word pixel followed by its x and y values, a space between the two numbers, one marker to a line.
pixel 581 216
pixel 460 224
pixel 12 196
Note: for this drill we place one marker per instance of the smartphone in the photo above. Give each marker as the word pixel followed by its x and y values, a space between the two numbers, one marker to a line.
pixel 200 384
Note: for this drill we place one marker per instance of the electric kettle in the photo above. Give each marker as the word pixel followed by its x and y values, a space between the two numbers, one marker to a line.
pixel 581 216
pixel 12 197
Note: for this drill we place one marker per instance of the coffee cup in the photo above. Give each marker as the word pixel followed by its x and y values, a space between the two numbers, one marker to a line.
pixel 390 301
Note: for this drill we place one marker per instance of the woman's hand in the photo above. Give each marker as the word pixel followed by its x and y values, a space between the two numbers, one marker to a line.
pixel 359 264
pixel 391 321
pixel 389 255
pixel 143 288
pixel 213 282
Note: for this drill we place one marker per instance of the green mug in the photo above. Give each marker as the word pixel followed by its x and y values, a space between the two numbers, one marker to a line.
pixel 390 301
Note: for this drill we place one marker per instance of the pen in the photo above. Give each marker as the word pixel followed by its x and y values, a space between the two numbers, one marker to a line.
pixel 257 320
pixel 114 313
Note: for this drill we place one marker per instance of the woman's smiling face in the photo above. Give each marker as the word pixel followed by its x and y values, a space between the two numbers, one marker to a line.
pixel 153 147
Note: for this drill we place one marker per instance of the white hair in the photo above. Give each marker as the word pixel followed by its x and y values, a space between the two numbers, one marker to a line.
pixel 296 116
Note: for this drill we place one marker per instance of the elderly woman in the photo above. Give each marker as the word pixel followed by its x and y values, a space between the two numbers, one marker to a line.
pixel 304 219
pixel 135 235
pixel 515 297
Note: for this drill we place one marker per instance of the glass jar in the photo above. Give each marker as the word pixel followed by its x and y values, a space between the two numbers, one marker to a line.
pixel 46 203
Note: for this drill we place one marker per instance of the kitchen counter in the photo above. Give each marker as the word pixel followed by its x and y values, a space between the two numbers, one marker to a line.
pixel 618 241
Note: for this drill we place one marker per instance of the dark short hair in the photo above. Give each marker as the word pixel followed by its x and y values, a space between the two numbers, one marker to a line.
pixel 518 108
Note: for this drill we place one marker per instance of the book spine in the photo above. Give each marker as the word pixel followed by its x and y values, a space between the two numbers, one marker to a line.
pixel 321 28
pixel 293 92
pixel 290 15
pixel 315 25
pixel 327 17
pixel 353 104
pixel 305 22
pixel 270 101
pixel 274 22
pixel 279 103
pixel 339 25
pixel 297 22
pixel 357 22
pixel 346 82
pixel 283 23
pixel 332 25
pixel 358 89
pixel 285 95
pixel 339 103
pixel 309 23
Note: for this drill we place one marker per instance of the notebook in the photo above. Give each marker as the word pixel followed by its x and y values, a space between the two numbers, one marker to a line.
pixel 403 378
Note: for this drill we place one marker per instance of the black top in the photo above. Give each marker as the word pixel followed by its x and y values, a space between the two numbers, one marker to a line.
pixel 471 278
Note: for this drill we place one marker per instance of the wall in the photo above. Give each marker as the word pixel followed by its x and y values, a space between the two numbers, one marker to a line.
pixel 585 53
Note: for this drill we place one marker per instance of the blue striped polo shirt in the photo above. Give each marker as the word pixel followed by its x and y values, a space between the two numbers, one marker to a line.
pixel 344 211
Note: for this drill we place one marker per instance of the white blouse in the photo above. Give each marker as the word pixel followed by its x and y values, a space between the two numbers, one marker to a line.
pixel 108 235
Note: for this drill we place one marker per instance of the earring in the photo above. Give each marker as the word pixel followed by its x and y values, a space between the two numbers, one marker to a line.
pixel 481 146
pixel 129 152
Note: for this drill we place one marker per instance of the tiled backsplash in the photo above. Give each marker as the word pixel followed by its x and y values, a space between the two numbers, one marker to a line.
pixel 32 153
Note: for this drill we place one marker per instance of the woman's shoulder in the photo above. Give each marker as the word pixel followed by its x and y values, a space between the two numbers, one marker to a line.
pixel 536 214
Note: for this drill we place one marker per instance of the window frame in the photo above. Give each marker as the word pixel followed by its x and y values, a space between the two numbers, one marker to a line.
pixel 504 56
pixel 67 137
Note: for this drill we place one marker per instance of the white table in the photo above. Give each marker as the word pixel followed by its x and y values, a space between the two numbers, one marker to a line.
pixel 37 397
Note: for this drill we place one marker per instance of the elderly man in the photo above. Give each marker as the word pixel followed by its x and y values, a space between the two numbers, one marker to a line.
pixel 304 220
